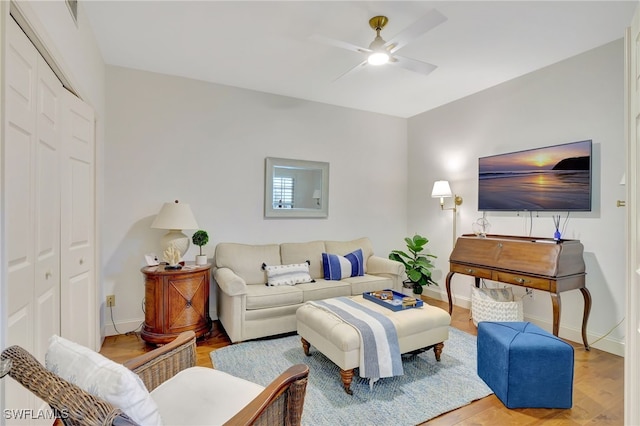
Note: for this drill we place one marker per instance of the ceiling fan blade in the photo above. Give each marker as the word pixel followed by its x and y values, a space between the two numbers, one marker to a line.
pixel 413 65
pixel 421 26
pixel 338 43
pixel 352 70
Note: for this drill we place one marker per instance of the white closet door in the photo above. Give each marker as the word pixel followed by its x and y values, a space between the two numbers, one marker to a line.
pixel 33 210
pixel 78 286
pixel 632 343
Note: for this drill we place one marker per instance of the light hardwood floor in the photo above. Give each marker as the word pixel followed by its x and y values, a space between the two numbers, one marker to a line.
pixel 598 386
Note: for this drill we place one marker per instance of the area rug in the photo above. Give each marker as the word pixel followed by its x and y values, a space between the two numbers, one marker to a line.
pixel 426 390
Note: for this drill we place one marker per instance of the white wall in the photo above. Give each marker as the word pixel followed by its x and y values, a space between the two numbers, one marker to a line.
pixel 205 144
pixel 577 99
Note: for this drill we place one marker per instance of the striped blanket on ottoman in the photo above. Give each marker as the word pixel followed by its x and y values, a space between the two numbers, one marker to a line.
pixel 379 349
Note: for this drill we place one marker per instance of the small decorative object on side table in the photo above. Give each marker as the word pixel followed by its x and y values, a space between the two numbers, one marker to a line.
pixel 200 238
pixel 175 301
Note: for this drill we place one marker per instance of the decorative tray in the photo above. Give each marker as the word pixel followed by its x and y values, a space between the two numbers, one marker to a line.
pixel 393 300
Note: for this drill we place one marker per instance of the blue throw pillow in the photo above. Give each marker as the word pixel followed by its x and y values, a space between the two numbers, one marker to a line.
pixel 337 267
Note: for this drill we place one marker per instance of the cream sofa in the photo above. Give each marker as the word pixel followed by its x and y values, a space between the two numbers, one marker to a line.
pixel 249 309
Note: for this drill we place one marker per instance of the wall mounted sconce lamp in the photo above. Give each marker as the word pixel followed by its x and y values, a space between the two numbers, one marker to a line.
pixel 623 181
pixel 316 196
pixel 442 190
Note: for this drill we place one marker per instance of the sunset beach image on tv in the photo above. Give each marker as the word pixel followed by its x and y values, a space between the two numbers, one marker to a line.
pixel 554 178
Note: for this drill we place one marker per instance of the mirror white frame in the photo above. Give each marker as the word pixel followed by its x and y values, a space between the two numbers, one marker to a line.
pixel 310 179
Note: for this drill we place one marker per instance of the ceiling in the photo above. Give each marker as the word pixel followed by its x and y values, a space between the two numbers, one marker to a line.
pixel 267 46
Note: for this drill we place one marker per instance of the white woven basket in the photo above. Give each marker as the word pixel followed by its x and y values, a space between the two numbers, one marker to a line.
pixel 485 308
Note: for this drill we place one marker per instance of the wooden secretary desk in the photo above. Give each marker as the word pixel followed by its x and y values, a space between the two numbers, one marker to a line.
pixel 536 263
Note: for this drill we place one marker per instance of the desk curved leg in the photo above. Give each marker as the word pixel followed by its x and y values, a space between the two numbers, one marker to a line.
pixel 585 316
pixel 448 285
pixel 557 306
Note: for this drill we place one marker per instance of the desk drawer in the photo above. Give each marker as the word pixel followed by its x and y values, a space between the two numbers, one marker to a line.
pixel 471 270
pixel 523 280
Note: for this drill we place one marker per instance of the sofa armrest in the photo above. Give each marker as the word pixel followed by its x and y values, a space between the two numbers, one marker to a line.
pixel 230 283
pixel 388 268
pixel 377 265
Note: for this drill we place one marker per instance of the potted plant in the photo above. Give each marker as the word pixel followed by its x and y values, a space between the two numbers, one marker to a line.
pixel 200 238
pixel 417 265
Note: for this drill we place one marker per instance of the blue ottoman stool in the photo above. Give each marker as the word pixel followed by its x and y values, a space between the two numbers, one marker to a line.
pixel 524 365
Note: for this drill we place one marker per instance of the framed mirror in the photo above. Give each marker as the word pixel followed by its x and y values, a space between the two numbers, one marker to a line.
pixel 296 188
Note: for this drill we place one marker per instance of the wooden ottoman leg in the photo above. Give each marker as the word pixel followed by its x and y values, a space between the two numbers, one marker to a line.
pixel 437 349
pixel 305 346
pixel 347 378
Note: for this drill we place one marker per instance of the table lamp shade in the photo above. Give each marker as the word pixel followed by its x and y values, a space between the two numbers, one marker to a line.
pixel 175 217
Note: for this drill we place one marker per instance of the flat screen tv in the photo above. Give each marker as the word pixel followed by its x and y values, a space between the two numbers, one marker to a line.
pixel 553 178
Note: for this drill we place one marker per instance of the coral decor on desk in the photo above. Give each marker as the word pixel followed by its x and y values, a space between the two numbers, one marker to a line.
pixel 172 257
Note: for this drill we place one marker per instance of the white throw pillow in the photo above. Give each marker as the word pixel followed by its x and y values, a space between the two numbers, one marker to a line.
pixel 103 378
pixel 293 274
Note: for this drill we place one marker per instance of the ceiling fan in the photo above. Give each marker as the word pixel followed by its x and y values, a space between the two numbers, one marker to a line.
pixel 381 52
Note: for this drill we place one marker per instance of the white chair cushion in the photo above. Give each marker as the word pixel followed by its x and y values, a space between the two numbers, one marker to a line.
pixel 103 378
pixel 203 396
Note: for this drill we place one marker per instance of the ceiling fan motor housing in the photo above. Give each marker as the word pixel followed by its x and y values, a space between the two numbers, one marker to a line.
pixel 378 22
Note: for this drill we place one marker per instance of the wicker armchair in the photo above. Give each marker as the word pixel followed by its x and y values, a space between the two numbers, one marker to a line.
pixel 280 403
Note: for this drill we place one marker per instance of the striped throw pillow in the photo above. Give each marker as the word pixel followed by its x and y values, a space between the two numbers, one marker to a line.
pixel 337 267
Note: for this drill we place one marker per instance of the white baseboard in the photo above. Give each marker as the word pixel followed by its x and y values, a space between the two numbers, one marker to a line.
pixel 607 344
pixel 122 326
pixel 127 326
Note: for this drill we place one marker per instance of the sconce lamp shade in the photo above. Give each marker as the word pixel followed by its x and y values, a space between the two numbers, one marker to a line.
pixel 175 217
pixel 441 189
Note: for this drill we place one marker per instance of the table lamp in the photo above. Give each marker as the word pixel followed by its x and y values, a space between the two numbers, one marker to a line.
pixel 175 217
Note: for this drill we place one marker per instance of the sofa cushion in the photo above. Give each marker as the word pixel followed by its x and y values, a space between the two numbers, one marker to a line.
pixel 246 260
pixel 200 395
pixel 344 247
pixel 301 252
pixel 365 283
pixel 103 378
pixel 336 267
pixel 287 274
pixel 323 289
pixel 262 296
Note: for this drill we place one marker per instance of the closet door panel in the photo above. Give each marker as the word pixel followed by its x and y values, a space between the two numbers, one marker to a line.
pixel 19 185
pixel 47 203
pixel 78 286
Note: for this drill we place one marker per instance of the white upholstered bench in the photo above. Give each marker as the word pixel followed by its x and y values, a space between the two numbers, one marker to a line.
pixel 417 329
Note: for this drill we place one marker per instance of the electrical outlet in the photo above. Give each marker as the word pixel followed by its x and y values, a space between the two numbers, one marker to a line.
pixel 111 300
pixel 530 293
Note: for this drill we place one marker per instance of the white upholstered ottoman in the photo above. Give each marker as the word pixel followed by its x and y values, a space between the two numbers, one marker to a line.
pixel 418 329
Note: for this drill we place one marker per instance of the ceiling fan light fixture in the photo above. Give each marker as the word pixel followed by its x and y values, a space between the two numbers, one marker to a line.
pixel 378 58
pixel 379 55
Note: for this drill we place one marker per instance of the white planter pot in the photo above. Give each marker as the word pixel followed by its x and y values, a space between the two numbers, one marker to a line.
pixel 201 259
pixel 407 291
